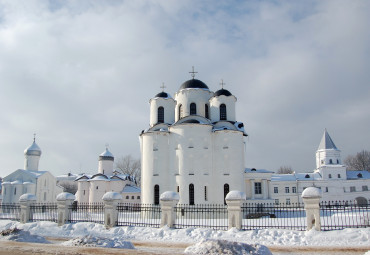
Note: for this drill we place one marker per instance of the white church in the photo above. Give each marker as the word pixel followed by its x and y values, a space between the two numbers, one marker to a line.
pixel 42 184
pixel 195 146
pixel 91 188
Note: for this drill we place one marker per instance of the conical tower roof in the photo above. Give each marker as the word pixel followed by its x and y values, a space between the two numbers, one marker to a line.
pixel 326 142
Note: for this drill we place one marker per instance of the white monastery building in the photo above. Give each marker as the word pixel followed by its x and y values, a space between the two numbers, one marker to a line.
pixel 42 184
pixel 91 189
pixel 194 145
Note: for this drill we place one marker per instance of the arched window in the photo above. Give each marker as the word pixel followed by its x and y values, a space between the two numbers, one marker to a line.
pixel 193 109
pixel 160 114
pixel 156 194
pixel 329 175
pixel 330 161
pixel 206 111
pixel 191 194
pixel 226 191
pixel 223 115
pixel 180 111
pixel 337 161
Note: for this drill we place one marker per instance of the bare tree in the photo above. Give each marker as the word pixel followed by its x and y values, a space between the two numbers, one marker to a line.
pixel 131 166
pixel 285 170
pixel 360 161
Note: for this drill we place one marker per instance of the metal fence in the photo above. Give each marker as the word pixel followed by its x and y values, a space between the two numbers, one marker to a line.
pixel 87 212
pixel 44 212
pixel 271 215
pixel 10 211
pixel 344 214
pixel 201 216
pixel 140 215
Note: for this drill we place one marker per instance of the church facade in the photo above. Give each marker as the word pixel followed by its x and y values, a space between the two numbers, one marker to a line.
pixel 42 184
pixel 194 145
pixel 91 188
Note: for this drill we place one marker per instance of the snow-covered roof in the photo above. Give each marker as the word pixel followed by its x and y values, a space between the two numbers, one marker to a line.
pixel 106 153
pixel 283 177
pixel 254 170
pixel 99 177
pixel 358 175
pixel 131 189
pixel 326 142
pixel 308 176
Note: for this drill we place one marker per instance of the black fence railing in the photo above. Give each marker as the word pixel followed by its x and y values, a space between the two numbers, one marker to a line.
pixel 44 212
pixel 344 214
pixel 87 212
pixel 271 215
pixel 201 216
pixel 10 211
pixel 140 215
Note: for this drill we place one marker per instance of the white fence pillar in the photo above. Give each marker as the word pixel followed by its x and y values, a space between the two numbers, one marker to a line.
pixel 234 201
pixel 311 199
pixel 26 200
pixel 111 200
pixel 64 202
pixel 169 200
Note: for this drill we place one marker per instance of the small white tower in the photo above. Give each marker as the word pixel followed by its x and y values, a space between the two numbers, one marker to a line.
pixel 162 108
pixel 32 156
pixel 222 105
pixel 327 153
pixel 106 160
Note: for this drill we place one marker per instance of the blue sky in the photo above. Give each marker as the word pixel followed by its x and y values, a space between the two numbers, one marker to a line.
pixel 80 74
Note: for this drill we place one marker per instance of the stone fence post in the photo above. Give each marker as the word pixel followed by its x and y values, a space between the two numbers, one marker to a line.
pixel 64 202
pixel 234 200
pixel 311 199
pixel 169 200
pixel 111 200
pixel 26 200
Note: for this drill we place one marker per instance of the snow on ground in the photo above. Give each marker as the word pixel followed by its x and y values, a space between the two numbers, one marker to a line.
pixel 92 241
pixel 269 237
pixel 215 247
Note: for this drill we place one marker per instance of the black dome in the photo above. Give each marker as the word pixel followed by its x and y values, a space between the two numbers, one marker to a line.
pixel 162 94
pixel 222 92
pixel 194 84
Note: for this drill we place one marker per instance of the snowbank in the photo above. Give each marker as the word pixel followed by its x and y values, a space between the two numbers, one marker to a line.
pixel 215 247
pixel 92 241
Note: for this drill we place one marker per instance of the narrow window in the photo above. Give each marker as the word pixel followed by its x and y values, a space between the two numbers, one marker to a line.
pixel 206 111
pixel 330 161
pixel 156 194
pixel 205 193
pixel 276 190
pixel 15 191
pixel 326 189
pixel 84 192
pixel 338 175
pixel 294 189
pixel 160 114
pixel 257 188
pixel 286 189
pixel 180 111
pixel 329 176
pixel 288 201
pixel 193 109
pixel 178 189
pixel 97 187
pixel 226 191
pixel 337 161
pixel 223 112
pixel 191 194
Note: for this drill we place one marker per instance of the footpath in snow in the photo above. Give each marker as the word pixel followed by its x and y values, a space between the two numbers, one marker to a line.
pixel 119 237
